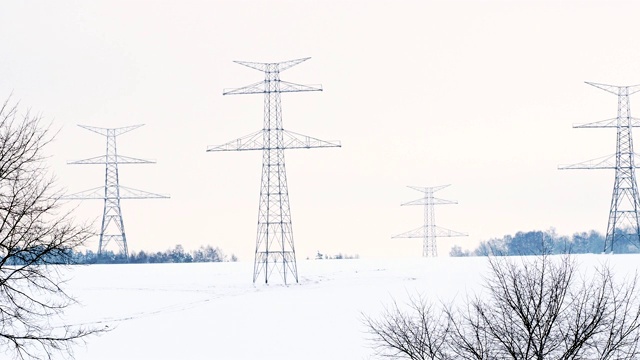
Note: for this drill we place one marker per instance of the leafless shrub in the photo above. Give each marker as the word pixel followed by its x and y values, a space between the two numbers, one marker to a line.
pixel 533 308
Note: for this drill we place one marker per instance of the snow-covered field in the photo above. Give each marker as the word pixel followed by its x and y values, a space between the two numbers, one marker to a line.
pixel 214 311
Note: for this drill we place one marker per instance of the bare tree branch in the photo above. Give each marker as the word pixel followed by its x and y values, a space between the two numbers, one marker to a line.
pixel 418 335
pixel 36 237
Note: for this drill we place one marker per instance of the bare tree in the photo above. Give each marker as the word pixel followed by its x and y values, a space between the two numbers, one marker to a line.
pixel 36 236
pixel 532 308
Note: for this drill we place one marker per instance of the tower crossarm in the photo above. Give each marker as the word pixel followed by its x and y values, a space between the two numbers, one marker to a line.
pixel 277 67
pixel 111 132
pixel 422 231
pixel 616 90
pixel 427 190
pixel 609 123
pixel 443 232
pixel 253 141
pixel 95 193
pixel 605 162
pixel 130 193
pixel 104 159
pixel 429 201
pixel 415 233
pixel 290 140
pixel 123 193
pixel 263 87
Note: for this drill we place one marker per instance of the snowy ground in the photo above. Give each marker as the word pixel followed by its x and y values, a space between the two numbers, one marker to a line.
pixel 213 311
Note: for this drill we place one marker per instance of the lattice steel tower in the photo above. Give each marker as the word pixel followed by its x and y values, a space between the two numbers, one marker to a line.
pixel 274 243
pixel 624 221
pixel 429 231
pixel 112 228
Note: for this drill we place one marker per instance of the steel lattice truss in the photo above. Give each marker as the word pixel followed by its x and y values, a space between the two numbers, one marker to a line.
pixel 624 220
pixel 112 228
pixel 274 244
pixel 429 231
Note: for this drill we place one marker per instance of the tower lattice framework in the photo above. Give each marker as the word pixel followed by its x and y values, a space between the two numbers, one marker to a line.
pixel 112 228
pixel 274 241
pixel 429 231
pixel 624 220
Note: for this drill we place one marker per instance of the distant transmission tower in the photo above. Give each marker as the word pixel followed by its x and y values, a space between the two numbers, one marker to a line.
pixel 112 225
pixel 624 222
pixel 274 243
pixel 429 231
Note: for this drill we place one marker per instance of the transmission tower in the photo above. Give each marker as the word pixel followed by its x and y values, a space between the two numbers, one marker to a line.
pixel 429 231
pixel 112 228
pixel 274 243
pixel 624 221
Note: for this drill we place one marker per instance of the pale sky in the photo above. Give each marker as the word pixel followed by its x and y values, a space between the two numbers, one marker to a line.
pixel 481 95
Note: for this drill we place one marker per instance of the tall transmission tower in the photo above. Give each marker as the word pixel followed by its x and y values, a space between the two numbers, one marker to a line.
pixel 112 228
pixel 429 231
pixel 274 243
pixel 624 221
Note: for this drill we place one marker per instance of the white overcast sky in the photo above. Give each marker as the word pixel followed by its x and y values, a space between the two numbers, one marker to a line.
pixel 481 95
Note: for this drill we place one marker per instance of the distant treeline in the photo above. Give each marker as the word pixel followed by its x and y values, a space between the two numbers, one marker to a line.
pixel 545 242
pixel 176 255
pixel 339 256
